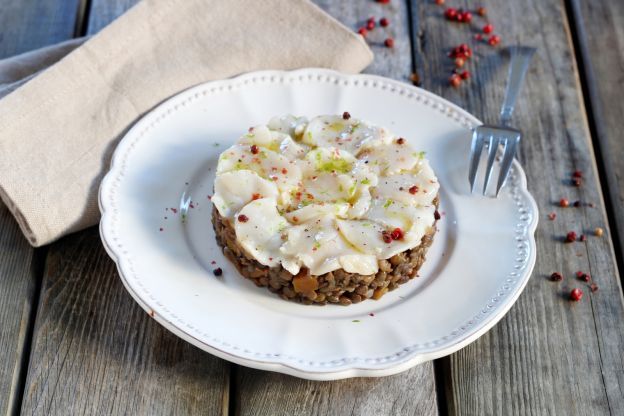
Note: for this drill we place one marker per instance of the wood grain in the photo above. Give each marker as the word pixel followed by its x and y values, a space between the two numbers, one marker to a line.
pixel 24 25
pixel 95 351
pixel 18 284
pixel 548 355
pixel 600 35
pixel 412 392
pixel 264 393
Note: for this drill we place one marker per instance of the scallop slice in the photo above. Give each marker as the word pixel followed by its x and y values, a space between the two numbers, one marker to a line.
pixel 366 236
pixel 391 158
pixel 262 136
pixel 291 149
pixel 259 228
pixel 349 135
pixel 327 176
pixel 288 124
pixel 396 188
pixel 363 264
pixel 399 215
pixel 320 247
pixel 327 188
pixel 361 201
pixel 276 141
pixel 236 188
pixel 328 160
pixel 269 165
pixel 309 212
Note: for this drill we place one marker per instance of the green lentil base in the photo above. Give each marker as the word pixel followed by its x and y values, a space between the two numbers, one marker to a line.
pixel 338 287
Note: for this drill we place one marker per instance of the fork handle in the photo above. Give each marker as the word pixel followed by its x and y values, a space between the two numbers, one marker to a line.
pixel 520 58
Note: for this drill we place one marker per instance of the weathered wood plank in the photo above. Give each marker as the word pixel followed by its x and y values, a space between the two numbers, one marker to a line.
pixel 95 351
pixel 264 393
pixel 18 283
pixel 412 392
pixel 548 355
pixel 31 24
pixel 600 35
pixel 24 25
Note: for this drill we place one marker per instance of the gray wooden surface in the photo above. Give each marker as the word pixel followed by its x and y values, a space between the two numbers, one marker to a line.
pixel 93 351
pixel 547 356
pixel 17 293
pixel 599 32
pixel 22 27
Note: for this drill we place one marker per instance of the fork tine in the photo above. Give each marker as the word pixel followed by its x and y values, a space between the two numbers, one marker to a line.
pixel 510 152
pixel 493 147
pixel 475 154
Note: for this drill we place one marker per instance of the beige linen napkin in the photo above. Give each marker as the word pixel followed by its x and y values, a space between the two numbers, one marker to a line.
pixel 60 126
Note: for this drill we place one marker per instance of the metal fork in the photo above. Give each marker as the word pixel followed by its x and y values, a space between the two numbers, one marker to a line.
pixel 502 134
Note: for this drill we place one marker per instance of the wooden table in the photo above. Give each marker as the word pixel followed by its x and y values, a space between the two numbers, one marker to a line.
pixel 72 341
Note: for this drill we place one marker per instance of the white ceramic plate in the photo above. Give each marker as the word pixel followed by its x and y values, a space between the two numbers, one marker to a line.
pixel 479 263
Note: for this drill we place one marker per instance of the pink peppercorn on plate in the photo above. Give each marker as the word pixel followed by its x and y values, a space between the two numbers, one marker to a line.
pixel 169 258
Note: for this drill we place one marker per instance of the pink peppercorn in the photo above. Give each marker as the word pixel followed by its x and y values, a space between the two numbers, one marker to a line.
pixel 576 294
pixel 455 80
pixel 397 234
pixel 450 13
pixel 570 237
pixel 494 40
pixel 386 237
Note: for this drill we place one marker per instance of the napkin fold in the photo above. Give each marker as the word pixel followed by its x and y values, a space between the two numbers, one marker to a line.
pixel 65 107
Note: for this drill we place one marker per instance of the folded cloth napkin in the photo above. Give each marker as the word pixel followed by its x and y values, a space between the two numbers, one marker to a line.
pixel 60 125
